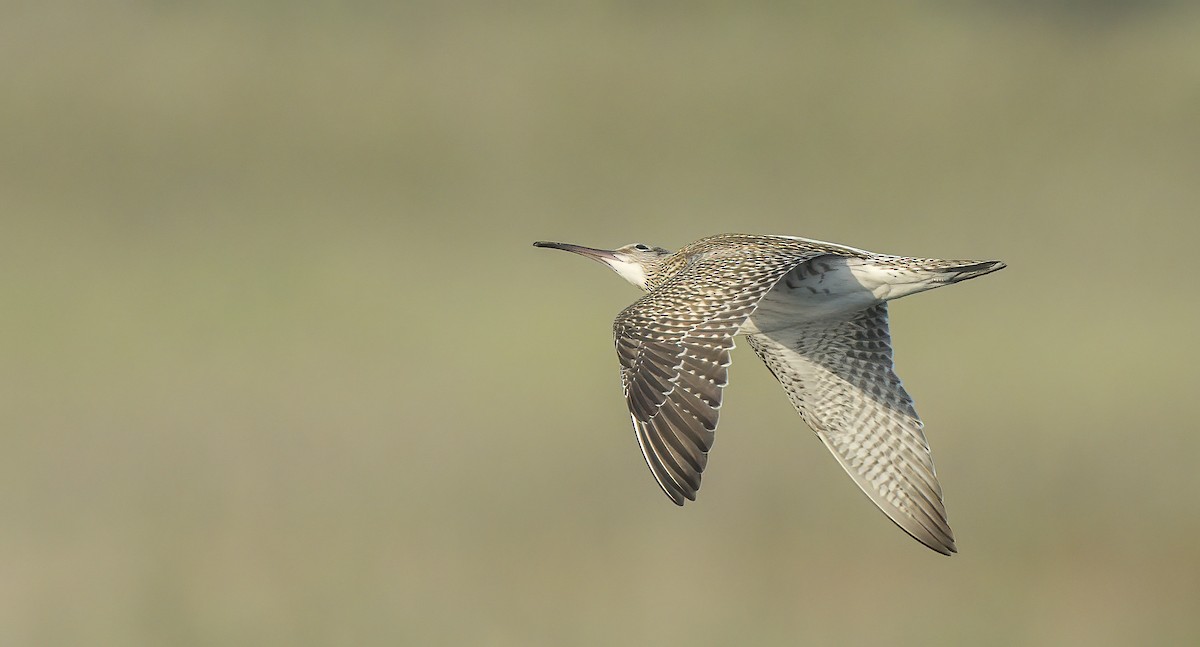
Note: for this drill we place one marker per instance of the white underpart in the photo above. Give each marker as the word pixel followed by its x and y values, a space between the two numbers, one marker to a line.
pixel 629 270
pixel 834 287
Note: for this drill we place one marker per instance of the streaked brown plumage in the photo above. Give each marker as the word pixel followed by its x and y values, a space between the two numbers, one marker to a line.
pixel 816 314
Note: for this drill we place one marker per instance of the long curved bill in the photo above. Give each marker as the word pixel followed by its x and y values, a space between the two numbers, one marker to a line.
pixel 603 255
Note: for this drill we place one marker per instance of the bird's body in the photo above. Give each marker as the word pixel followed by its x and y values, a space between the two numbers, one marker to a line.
pixel 816 314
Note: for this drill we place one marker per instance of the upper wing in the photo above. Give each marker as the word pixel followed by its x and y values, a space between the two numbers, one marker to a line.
pixel 839 376
pixel 674 348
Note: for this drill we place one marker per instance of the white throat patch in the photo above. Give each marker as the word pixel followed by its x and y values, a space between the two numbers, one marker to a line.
pixel 629 271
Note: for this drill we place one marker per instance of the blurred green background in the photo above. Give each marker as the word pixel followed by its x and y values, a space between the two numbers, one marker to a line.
pixel 278 365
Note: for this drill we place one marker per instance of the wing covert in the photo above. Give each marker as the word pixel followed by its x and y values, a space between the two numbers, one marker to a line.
pixel 673 345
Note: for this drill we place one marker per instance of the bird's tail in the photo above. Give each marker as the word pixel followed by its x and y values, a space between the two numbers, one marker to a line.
pixel 894 277
pixel 955 271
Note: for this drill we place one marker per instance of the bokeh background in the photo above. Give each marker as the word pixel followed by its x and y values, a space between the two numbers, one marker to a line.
pixel 278 365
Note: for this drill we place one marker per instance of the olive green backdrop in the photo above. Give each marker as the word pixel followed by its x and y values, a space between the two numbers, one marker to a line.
pixel 278 365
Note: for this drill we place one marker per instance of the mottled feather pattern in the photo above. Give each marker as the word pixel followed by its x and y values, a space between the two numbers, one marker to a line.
pixel 839 376
pixel 674 348
pixel 823 333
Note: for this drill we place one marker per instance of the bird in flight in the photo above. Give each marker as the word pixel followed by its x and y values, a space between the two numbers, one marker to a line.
pixel 816 314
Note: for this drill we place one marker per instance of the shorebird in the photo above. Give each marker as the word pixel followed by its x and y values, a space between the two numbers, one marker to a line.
pixel 816 314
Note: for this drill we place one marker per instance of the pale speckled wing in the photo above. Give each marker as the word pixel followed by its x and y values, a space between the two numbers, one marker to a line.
pixel 674 346
pixel 840 377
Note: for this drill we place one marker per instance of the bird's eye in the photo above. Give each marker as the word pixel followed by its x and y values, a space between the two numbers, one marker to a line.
pixel 641 247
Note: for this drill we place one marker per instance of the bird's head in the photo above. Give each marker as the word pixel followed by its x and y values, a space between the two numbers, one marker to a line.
pixel 637 263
